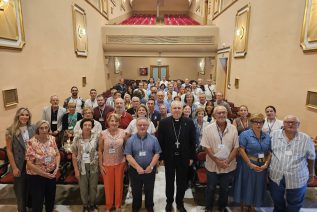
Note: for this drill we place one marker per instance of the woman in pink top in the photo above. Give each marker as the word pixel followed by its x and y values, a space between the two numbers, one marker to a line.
pixel 43 160
pixel 112 161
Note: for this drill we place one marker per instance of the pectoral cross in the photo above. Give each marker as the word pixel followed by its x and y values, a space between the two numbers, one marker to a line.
pixel 177 144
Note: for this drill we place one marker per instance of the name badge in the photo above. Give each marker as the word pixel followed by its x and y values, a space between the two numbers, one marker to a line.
pixel 142 153
pixel 289 153
pixel 86 157
pixel 112 150
pixel 54 122
pixel 48 159
pixel 101 119
pixel 221 146
pixel 261 155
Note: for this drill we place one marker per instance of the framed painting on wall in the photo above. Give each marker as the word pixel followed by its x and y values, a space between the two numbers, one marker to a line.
pixel 143 71
pixel 309 28
pixel 241 31
pixel 10 97
pixel 80 31
pixel 11 24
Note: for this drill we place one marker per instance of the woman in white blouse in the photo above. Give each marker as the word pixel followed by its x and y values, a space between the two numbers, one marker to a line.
pixel 141 111
pixel 271 122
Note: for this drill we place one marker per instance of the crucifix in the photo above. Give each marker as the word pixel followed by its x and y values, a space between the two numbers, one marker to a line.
pixel 177 144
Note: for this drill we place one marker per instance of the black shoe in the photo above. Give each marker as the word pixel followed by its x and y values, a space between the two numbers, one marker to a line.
pixel 85 209
pixel 181 208
pixel 93 208
pixel 169 207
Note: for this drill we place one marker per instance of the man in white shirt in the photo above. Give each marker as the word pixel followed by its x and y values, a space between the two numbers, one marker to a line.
pixel 220 140
pixel 74 98
pixel 292 165
pixel 195 90
pixel 92 102
pixel 202 101
pixel 164 81
pixel 209 90
pixel 171 90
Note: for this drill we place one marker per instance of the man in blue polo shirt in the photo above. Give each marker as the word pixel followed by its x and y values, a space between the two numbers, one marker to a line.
pixel 142 151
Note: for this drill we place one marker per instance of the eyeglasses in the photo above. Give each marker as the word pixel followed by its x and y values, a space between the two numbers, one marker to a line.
pixel 257 122
pixel 290 122
pixel 43 128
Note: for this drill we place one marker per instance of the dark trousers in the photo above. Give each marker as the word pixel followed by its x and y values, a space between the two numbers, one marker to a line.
pixel 180 168
pixel 42 189
pixel 137 183
pixel 294 197
pixel 212 180
pixel 22 193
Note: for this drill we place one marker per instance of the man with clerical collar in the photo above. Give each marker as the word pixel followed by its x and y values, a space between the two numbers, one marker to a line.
pixel 142 151
pixel 135 104
pixel 54 114
pixel 101 112
pixel 74 98
pixel 220 140
pixel 292 165
pixel 176 135
pixel 92 102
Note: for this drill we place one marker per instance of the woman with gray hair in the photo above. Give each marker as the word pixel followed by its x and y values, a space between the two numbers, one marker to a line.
pixel 85 162
pixel 20 131
pixel 43 160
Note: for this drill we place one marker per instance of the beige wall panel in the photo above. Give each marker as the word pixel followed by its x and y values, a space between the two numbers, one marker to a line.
pixel 275 70
pixel 179 68
pixel 169 6
pixel 47 64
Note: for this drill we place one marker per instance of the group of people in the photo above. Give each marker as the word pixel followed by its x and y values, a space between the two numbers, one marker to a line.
pixel 165 123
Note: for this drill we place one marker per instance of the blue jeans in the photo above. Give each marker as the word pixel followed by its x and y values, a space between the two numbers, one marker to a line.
pixel 212 180
pixel 294 197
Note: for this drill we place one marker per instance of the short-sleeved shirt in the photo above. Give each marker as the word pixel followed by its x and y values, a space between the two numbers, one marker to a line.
pixel 212 139
pixel 254 146
pixel 113 147
pixel 41 154
pixel 289 159
pixel 271 126
pixel 142 150
pixel 131 129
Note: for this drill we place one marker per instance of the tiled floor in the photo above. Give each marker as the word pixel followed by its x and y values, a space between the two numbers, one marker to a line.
pixel 68 199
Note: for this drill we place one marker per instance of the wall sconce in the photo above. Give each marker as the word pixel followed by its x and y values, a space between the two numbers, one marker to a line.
pixel 117 65
pixel 240 32
pixel 3 4
pixel 84 81
pixel 159 62
pixel 81 32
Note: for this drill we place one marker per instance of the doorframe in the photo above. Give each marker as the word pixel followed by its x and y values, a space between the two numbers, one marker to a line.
pixel 159 67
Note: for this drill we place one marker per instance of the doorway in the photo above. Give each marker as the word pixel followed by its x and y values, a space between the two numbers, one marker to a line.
pixel 157 72
pixel 223 70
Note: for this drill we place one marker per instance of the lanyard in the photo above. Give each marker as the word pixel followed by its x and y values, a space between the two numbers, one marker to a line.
pixel 270 127
pixel 220 133
pixel 101 113
pixel 243 124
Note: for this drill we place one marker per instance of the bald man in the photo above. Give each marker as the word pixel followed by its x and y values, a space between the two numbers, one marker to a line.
pixel 292 165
